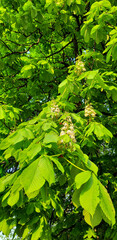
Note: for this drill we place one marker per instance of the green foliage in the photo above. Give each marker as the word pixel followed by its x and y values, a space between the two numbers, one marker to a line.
pixel 58 123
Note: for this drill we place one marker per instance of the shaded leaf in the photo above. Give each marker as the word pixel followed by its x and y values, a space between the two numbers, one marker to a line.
pixel 95 219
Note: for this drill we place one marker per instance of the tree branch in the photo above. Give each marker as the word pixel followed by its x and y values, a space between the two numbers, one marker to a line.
pixel 22 52
pixel 3 122
pixel 6 45
pixel 60 49
pixel 64 230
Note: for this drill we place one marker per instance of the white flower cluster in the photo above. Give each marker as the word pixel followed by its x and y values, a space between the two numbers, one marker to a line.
pixel 79 67
pixel 89 111
pixel 68 128
pixel 55 110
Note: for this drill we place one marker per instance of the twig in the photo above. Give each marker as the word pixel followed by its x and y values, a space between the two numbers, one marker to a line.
pixel 22 52
pixel 59 50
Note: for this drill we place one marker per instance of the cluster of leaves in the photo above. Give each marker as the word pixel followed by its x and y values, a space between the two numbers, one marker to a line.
pixel 57 59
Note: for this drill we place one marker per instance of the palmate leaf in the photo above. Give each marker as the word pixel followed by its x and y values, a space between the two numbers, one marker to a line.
pixel 40 41
pixel 89 197
pixel 100 131
pixel 16 137
pixel 33 177
pixel 107 214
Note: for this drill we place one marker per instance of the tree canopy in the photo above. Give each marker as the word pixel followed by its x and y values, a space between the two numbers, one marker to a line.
pixel 58 119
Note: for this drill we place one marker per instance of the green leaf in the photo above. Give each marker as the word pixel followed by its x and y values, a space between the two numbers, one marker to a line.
pixel 82 178
pixel 89 197
pixel 42 62
pixel 77 118
pixel 69 2
pixel 114 95
pixel 27 70
pixel 51 137
pixel 30 208
pixel 75 198
pixel 62 86
pixel 56 206
pixel 114 52
pixel 25 233
pixel 31 177
pixel 95 219
pixel 46 169
pixel 2 113
pixel 94 29
pixel 112 42
pixel 106 50
pixel 33 12
pixel 58 164
pixel 97 33
pixel 4 227
pixel 2 186
pixel 33 194
pixel 16 137
pixel 106 204
pixel 5 197
pixel 20 135
pixel 108 55
pixel 46 126
pixel 27 5
pixel 13 198
pixel 100 131
pixel 39 230
pixel 78 1
pixel 48 2
pixel 106 4
pixel 92 166
pixel 33 150
pixel 50 69
pixel 115 236
pixel 9 179
pixel 87 34
pixel 92 74
pixel 90 129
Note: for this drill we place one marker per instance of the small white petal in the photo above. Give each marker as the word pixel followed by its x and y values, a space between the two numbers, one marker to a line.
pixel 62 133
